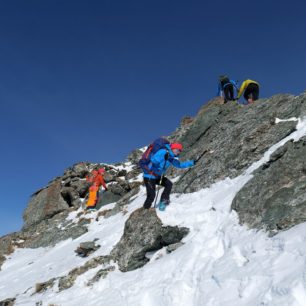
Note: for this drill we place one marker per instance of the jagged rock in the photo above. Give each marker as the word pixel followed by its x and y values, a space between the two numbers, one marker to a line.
pixel 228 138
pixel 134 156
pixel 110 176
pixel 172 247
pixel 186 120
pixel 45 205
pixel 51 231
pixel 87 248
pixel 275 198
pixel 107 197
pixel 40 287
pixel 121 188
pixel 122 202
pixel 143 232
pixel 79 170
pixel 101 274
pixel 133 174
pixel 7 302
pixel 6 247
pixel 121 173
pixel 66 282
pixel 71 196
pixel 81 187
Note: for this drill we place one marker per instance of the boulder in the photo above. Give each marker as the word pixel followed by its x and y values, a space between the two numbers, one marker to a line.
pixel 275 198
pixel 86 248
pixel 143 232
pixel 7 302
pixel 45 205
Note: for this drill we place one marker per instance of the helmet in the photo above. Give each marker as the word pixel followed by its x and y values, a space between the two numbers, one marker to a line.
pixel 101 170
pixel 177 146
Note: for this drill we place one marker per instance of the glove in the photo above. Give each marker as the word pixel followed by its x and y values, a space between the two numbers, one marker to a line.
pixel 194 162
pixel 167 156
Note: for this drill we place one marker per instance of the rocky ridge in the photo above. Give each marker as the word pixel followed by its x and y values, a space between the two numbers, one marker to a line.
pixel 225 139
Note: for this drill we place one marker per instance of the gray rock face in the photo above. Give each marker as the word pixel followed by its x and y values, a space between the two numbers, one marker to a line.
pixel 143 232
pixel 44 205
pixel 107 197
pixel 67 281
pixel 6 247
pixel 87 248
pixel 7 302
pixel 226 139
pixel 51 231
pixel 275 198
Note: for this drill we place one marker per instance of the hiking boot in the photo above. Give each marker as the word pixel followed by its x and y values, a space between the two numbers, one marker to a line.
pixel 163 204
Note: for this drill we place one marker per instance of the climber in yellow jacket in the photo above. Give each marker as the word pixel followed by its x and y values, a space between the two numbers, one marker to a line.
pixel 250 89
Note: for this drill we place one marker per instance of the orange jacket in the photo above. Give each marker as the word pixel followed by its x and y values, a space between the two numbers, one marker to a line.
pixel 99 181
pixel 96 179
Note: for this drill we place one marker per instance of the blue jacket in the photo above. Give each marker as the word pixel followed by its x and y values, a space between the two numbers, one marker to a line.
pixel 159 165
pixel 220 88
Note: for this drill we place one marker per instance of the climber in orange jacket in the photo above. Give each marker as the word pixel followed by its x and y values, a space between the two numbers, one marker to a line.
pixel 97 180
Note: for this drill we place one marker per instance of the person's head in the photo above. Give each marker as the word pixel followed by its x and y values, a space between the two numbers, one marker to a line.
pixel 222 77
pixel 94 172
pixel 101 170
pixel 176 148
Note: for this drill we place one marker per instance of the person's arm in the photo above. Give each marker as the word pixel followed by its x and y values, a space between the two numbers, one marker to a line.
pixel 241 89
pixel 219 90
pixel 181 165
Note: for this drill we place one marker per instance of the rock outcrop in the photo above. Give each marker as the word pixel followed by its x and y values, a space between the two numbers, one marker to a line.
pixel 275 198
pixel 144 232
pixel 228 138
pixel 45 205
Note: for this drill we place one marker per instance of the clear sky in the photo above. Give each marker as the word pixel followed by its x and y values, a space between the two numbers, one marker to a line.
pixel 92 80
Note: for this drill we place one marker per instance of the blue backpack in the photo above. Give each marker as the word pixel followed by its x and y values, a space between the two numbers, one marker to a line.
pixel 158 144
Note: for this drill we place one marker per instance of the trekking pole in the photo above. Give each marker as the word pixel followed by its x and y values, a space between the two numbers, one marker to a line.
pixel 161 178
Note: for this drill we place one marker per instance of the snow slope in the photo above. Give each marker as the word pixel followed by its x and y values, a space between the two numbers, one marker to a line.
pixel 221 263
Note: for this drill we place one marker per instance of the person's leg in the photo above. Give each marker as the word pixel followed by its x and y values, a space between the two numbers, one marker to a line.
pixel 255 92
pixel 226 91
pixel 231 92
pixel 151 187
pixel 165 197
pixel 247 96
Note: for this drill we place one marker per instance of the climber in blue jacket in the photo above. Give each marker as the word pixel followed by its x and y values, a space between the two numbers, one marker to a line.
pixel 154 174
pixel 226 88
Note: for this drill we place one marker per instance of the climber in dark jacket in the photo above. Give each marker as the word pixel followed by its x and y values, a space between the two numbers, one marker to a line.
pixel 154 175
pixel 226 88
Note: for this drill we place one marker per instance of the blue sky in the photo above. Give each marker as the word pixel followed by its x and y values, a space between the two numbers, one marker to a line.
pixel 92 80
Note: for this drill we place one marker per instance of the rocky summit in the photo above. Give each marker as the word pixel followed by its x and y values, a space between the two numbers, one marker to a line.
pixel 224 139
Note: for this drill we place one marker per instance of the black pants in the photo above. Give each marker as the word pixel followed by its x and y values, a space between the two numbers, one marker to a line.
pixel 151 190
pixel 228 93
pixel 251 92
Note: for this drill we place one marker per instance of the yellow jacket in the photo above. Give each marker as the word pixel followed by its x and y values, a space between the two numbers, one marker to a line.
pixel 244 85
